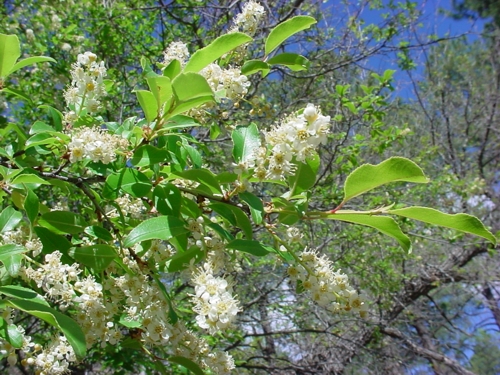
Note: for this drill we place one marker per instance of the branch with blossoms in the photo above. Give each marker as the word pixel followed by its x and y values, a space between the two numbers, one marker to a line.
pixel 169 217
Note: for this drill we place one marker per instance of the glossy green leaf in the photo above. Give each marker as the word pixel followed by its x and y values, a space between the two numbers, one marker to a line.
pixel 98 257
pixel 29 179
pixel 63 222
pixel 31 206
pixel 190 86
pixel 131 181
pixel 384 224
pixel 65 324
pixel 11 334
pixel 99 232
pixel 11 257
pixel 187 363
pixel 148 155
pixel 167 199
pixel 180 261
pixel 461 222
pixel 204 177
pixel 9 53
pixel 9 218
pixel 52 242
pixel 235 216
pixel 293 61
pixel 254 66
pixel 368 176
pixel 305 175
pixel 173 69
pixel 30 61
pixel 255 204
pixel 148 104
pixel 20 292
pixel 161 88
pixel 250 247
pixel 215 50
pixel 180 122
pixel 185 106
pixel 285 30
pixel 162 228
pixel 246 141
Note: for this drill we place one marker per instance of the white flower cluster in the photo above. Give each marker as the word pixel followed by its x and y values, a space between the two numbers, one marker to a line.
pixel 6 349
pixel 62 284
pixel 214 303
pixel 55 278
pixel 176 51
pixel 21 236
pixel 95 144
pixel 231 80
pixel 87 86
pixel 129 206
pixel 295 139
pixel 329 289
pixel 55 359
pixel 250 18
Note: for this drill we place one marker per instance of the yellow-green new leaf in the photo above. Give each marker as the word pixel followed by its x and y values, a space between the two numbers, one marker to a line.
pixel 215 50
pixel 384 224
pixel 9 53
pixel 285 30
pixel 461 222
pixel 368 176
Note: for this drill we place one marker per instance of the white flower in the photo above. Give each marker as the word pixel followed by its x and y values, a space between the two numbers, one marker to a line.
pixel 176 51
pixel 248 20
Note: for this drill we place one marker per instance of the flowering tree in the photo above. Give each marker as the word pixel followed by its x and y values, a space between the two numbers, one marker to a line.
pixel 144 243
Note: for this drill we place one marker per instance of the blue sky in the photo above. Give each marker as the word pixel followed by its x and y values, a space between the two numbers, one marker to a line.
pixel 433 21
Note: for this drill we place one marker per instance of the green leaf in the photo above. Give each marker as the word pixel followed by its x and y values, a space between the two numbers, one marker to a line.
pixel 167 199
pixel 251 247
pixel 18 93
pixel 29 179
pixel 65 324
pixel 255 205
pixel 214 50
pixel 180 261
pixel 56 116
pixel 187 363
pixel 11 257
pixel 173 69
pixel 148 104
pixel 11 334
pixel 246 141
pixel 163 228
pixel 235 216
pixel 52 242
pixel 285 30
pixel 99 232
pixel 63 222
pixel 305 176
pixel 30 61
pixel 98 257
pixel 131 181
pixel 254 66
pixel 20 292
pixel 10 51
pixel 191 103
pixel 461 222
pixel 31 206
pixel 180 122
pixel 190 85
pixel 293 61
pixel 368 176
pixel 384 224
pixel 9 218
pixel 204 177
pixel 161 88
pixel 148 155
